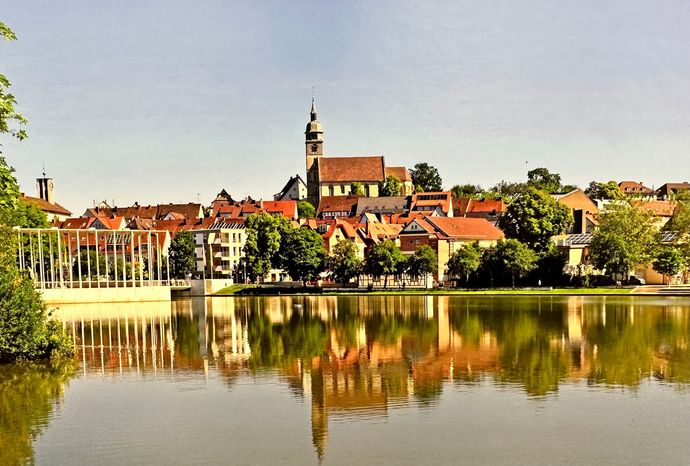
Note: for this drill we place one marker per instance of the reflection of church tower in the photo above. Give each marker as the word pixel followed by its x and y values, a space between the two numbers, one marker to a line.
pixel 314 150
pixel 319 415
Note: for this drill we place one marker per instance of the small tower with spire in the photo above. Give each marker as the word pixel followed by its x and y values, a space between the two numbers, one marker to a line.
pixel 313 137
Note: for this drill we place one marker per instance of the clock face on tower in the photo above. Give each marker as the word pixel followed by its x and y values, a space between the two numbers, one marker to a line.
pixel 314 147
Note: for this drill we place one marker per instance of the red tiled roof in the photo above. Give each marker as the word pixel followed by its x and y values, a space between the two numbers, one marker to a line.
pixel 399 172
pixel 285 208
pixel 338 204
pixel 633 187
pixel 430 199
pixel 349 169
pixel 46 206
pixel 658 208
pixel 190 210
pixel 466 228
pixel 467 205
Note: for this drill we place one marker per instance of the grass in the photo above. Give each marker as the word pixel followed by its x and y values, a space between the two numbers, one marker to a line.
pixel 237 290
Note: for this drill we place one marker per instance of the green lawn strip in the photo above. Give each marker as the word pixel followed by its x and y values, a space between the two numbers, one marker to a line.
pixel 237 290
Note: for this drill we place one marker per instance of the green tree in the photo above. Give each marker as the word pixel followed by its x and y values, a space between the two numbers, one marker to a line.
pixel 357 189
pixel 181 255
pixel 27 215
pixel 466 190
pixel 668 262
pixel 425 177
pixel 625 237
pixel 262 249
pixel 25 329
pixel 608 190
pixel 534 217
pixel 510 257
pixel 391 187
pixel 508 190
pixel 305 254
pixel 465 261
pixel 384 260
pixel 305 210
pixel 423 262
pixel 679 224
pixel 344 263
pixel 543 180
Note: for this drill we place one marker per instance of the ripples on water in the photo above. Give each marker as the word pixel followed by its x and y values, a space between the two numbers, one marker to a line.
pixel 359 380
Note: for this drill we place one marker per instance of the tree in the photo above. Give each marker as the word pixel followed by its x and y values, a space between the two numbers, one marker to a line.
pixel 357 189
pixel 423 262
pixel 344 263
pixel 384 259
pixel 26 332
pixel 181 255
pixel 542 179
pixel 608 190
pixel 534 217
pixel 680 226
pixel 668 262
pixel 625 237
pixel 305 210
pixel 391 187
pixel 465 261
pixel 508 190
pixel 263 244
pixel 465 190
pixel 510 257
pixel 305 254
pixel 425 177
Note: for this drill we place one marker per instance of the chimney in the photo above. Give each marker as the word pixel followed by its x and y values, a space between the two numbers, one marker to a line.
pixel 46 189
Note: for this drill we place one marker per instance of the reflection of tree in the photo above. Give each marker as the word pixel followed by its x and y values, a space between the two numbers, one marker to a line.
pixel 28 393
pixel 275 344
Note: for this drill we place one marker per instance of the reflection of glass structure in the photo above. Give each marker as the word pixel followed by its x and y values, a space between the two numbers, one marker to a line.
pixel 360 356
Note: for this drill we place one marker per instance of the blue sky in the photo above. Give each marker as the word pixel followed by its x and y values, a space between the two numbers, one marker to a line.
pixel 164 101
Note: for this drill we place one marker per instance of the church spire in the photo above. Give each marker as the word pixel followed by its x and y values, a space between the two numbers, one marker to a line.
pixel 313 108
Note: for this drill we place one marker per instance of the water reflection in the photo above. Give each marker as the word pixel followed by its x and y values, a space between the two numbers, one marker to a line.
pixel 28 395
pixel 360 357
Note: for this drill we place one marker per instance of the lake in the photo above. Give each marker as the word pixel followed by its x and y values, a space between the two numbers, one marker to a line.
pixel 359 380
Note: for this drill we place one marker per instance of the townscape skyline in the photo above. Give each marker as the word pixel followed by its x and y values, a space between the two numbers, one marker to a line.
pixel 177 108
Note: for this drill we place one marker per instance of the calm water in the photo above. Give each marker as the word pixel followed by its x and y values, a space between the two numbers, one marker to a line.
pixel 360 380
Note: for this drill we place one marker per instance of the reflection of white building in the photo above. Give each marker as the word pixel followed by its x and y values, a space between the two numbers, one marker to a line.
pixel 219 248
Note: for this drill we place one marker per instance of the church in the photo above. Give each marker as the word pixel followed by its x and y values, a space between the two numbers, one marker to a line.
pixel 334 176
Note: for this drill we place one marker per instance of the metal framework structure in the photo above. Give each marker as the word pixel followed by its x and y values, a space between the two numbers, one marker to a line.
pixel 77 258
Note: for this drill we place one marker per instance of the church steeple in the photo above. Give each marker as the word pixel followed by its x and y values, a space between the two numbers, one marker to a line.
pixel 313 137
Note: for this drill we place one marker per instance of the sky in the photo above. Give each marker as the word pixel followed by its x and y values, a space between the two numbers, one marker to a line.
pixel 171 101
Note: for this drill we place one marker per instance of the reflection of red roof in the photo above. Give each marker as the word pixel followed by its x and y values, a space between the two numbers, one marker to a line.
pixel 349 169
pixel 465 228
pixel 400 173
pixel 46 206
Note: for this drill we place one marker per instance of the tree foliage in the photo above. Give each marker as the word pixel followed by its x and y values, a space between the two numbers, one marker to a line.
pixel 608 190
pixel 305 210
pixel 543 180
pixel 423 262
pixel 466 190
pixel 668 261
pixel 508 190
pixel 357 189
pixel 509 257
pixel 625 237
pixel 534 217
pixel 9 117
pixel 425 177
pixel 262 245
pixel 344 263
pixel 181 255
pixel 465 261
pixel 304 256
pixel 385 259
pixel 390 187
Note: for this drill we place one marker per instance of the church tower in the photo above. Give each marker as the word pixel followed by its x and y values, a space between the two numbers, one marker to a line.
pixel 313 138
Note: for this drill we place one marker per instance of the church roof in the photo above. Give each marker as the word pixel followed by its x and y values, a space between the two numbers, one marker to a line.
pixel 400 173
pixel 349 169
pixel 46 206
